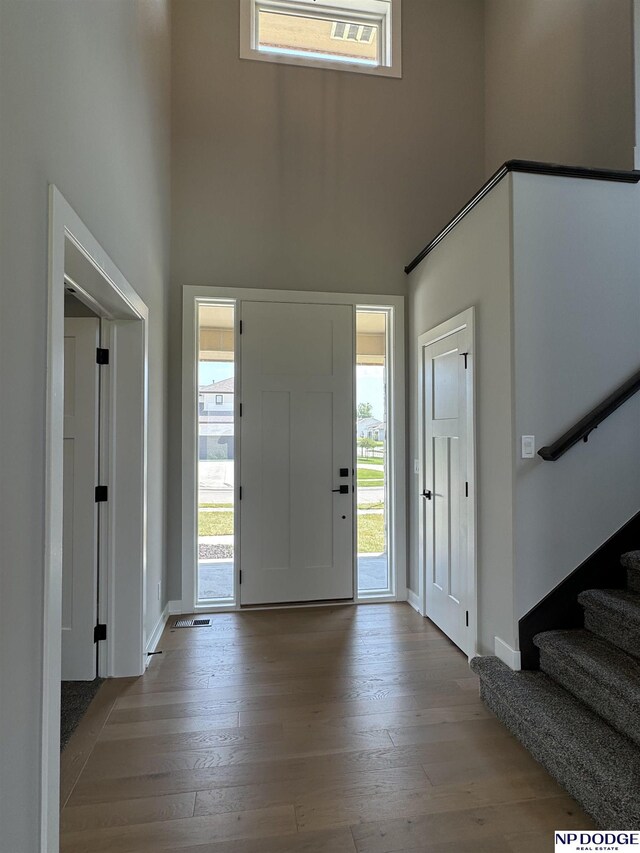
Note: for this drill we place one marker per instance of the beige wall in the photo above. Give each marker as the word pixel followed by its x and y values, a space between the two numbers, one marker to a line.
pixel 559 82
pixel 300 178
pixel 84 104
pixel 314 179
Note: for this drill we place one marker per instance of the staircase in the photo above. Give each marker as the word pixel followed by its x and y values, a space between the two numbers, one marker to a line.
pixel 580 716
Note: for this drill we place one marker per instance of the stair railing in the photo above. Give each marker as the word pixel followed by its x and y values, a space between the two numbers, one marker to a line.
pixel 582 429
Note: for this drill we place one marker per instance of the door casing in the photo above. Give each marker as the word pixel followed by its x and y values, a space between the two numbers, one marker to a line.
pixel 193 295
pixel 465 321
pixel 76 258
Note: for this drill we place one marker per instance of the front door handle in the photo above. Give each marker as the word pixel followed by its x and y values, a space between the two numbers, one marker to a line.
pixel 341 490
pixel 426 493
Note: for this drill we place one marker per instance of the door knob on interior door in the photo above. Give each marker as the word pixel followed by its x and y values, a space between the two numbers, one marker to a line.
pixel 426 493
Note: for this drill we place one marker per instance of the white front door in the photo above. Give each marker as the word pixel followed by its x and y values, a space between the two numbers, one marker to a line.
pixel 445 485
pixel 80 530
pixel 297 433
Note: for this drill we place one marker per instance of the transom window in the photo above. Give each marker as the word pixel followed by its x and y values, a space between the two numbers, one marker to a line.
pixel 350 35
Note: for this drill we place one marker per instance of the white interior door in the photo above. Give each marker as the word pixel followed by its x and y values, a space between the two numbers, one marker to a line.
pixel 445 485
pixel 297 369
pixel 80 526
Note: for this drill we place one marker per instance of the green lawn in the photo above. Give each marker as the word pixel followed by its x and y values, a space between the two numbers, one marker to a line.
pixel 370 478
pixel 371 533
pixel 374 505
pixel 216 506
pixel 371 460
pixel 215 523
pixel 370 528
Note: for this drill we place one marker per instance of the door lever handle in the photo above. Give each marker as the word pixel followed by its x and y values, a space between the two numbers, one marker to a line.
pixel 342 490
pixel 426 493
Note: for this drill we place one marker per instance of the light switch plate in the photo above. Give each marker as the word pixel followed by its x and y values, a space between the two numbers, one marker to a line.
pixel 528 446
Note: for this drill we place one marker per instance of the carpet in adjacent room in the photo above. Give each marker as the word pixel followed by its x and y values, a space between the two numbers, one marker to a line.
pixel 76 696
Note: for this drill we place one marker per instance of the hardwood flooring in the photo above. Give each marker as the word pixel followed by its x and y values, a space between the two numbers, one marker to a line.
pixel 324 730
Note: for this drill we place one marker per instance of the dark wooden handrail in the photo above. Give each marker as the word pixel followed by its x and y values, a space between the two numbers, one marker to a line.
pixel 583 427
pixel 531 167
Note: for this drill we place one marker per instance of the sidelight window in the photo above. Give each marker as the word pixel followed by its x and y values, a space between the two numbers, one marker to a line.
pixel 372 452
pixel 216 453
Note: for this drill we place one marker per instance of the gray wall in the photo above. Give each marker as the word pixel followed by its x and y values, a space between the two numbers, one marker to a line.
pixel 636 78
pixel 472 266
pixel 577 337
pixel 84 93
pixel 309 179
pixel 552 266
pixel 559 82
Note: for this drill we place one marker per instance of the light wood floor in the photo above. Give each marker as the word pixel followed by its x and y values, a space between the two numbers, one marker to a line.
pixel 327 730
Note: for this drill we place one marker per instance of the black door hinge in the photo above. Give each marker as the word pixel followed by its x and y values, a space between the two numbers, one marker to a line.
pixel 240 409
pixel 99 633
pixel 102 494
pixel 102 356
pixel 466 490
pixel 240 326
pixel 240 493
pixel 467 618
pixel 240 576
pixel 465 355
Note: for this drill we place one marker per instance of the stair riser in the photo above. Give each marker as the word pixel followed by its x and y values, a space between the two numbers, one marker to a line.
pixel 633 580
pixel 616 710
pixel 590 793
pixel 616 632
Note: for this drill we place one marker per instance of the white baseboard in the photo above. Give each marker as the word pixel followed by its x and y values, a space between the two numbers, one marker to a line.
pixel 170 608
pixel 506 654
pixel 155 635
pixel 414 601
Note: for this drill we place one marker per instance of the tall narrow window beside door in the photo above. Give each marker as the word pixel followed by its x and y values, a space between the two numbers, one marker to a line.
pixel 216 453
pixel 373 457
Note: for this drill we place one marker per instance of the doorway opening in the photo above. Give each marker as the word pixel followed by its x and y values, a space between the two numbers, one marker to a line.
pixel 446 407
pixel 81 475
pixel 276 478
pixel 77 260
pixel 216 418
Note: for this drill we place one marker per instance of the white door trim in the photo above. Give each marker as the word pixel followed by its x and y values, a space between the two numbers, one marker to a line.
pixel 462 321
pixel 189 425
pixel 73 249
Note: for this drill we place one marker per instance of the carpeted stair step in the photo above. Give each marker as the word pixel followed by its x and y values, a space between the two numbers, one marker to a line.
pixel 631 562
pixel 597 765
pixel 599 674
pixel 614 615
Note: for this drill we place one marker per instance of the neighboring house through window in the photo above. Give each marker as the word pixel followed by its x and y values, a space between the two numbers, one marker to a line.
pixel 218 396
